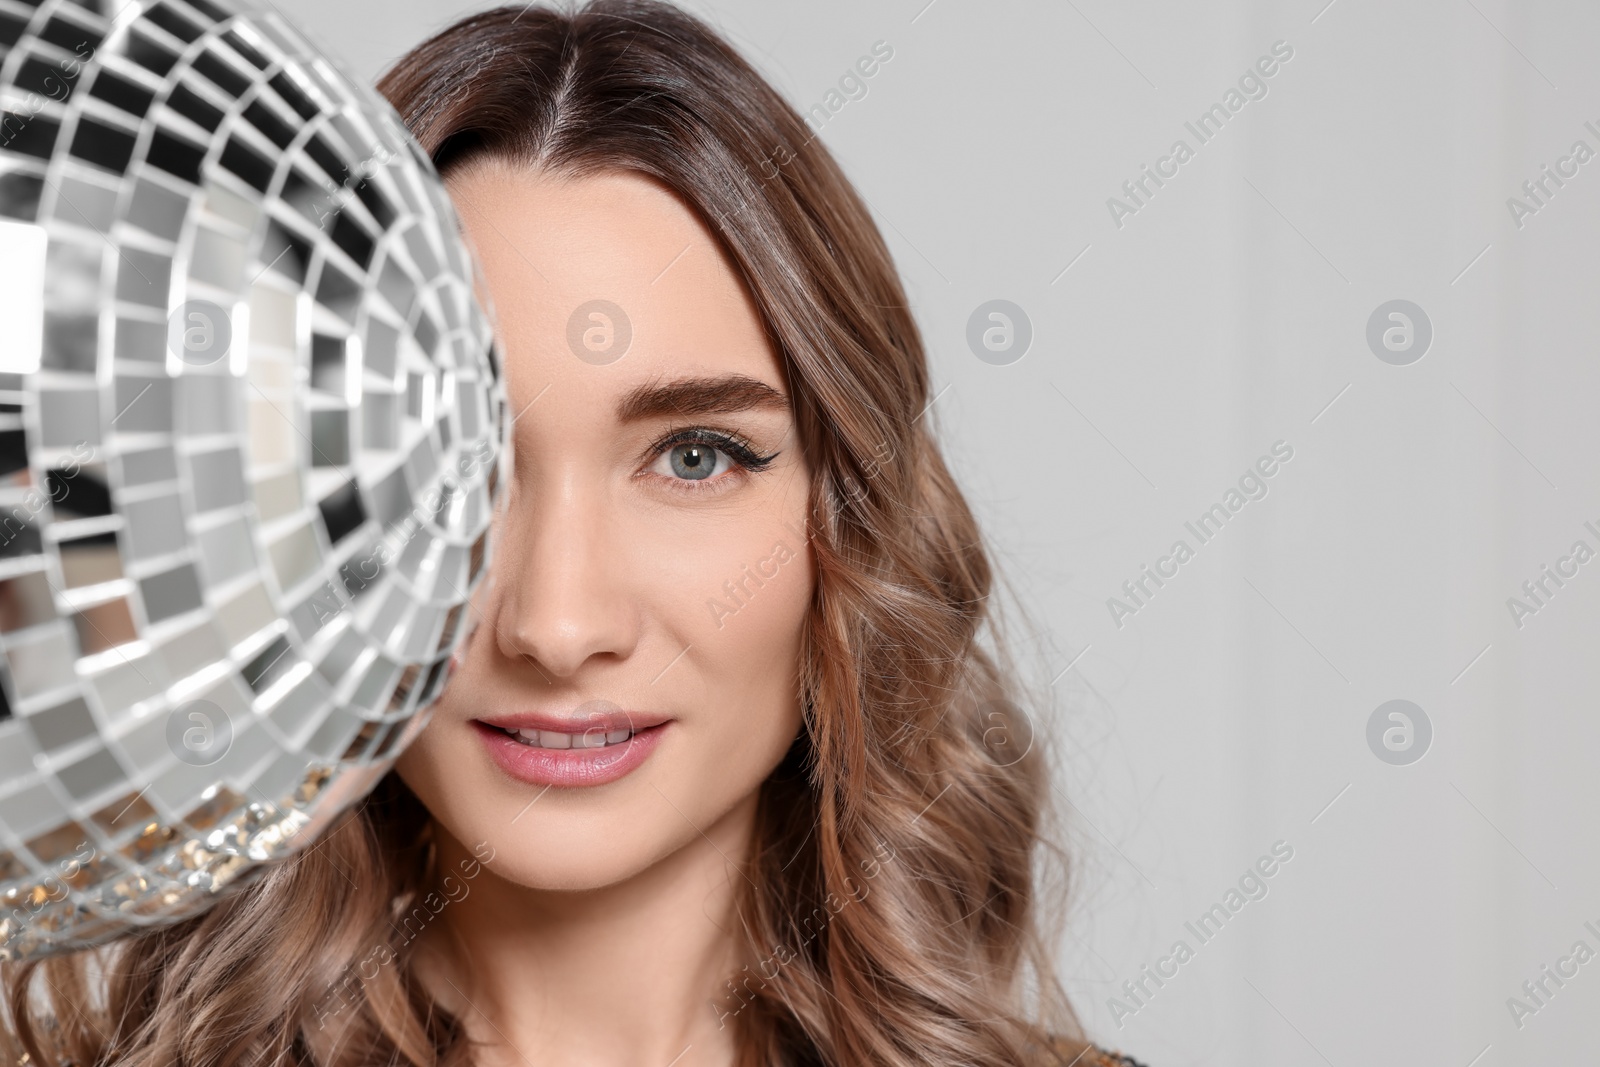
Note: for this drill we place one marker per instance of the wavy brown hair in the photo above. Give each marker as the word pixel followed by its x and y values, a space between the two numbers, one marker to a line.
pixel 892 911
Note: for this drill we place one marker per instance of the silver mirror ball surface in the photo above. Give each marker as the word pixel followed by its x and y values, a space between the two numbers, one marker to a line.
pixel 251 433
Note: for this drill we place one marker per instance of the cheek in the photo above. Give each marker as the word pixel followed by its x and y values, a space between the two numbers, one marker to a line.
pixel 742 609
pixel 753 617
pixel 420 768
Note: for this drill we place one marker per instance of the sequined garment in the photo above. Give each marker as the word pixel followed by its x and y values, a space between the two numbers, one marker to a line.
pixel 1099 1057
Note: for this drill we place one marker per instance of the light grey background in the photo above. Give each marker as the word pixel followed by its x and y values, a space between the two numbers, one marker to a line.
pixel 1229 313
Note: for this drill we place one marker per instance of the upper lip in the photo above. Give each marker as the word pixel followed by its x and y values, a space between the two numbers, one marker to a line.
pixel 609 720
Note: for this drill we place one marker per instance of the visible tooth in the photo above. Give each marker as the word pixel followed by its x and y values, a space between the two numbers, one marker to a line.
pixel 554 739
pixel 588 739
pixel 616 737
pixel 530 736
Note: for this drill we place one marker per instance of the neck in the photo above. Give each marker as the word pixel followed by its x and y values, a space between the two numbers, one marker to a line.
pixel 626 973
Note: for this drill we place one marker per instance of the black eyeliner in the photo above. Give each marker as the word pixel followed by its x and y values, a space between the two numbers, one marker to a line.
pixel 735 446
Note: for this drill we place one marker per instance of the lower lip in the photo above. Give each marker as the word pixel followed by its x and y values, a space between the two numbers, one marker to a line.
pixel 568 766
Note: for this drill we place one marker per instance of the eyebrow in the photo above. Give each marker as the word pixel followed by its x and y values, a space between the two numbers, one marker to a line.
pixel 718 395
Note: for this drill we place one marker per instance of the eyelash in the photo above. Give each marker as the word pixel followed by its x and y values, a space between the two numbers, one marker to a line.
pixel 744 454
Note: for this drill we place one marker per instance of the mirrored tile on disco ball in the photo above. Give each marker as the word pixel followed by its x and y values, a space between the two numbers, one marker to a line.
pixel 83 202
pixel 122 680
pixel 121 92
pixel 143 402
pixel 157 209
pixel 20 193
pixel 148 465
pixel 105 144
pixel 205 402
pixel 101 627
pixel 218 259
pixel 155 526
pixel 216 479
pixel 226 551
pixel 197 103
pixel 25 600
pixel 71 342
pixel 92 775
pixel 60 726
pixel 175 154
pixel 20 538
pixel 79 491
pixel 143 277
pixel 89 559
pixel 170 592
pixel 140 340
pixel 73 28
pixel 189 651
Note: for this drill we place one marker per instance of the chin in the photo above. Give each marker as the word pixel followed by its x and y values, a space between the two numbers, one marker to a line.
pixel 562 854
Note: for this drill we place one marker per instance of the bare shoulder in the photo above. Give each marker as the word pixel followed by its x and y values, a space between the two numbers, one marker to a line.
pixel 1065 1052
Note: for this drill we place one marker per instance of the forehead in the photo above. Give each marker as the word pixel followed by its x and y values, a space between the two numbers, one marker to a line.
pixel 575 264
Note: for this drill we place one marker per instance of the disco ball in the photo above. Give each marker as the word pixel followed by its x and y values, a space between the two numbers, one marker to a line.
pixel 250 437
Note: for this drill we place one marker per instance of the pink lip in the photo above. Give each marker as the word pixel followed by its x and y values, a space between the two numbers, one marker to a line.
pixel 571 767
pixel 592 715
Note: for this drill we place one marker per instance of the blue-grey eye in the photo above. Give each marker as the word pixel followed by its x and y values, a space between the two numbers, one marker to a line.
pixel 695 454
pixel 694 460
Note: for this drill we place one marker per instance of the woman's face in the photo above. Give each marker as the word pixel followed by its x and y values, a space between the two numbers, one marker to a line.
pixel 641 627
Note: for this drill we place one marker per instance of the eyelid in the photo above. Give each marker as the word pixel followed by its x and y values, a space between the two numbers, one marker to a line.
pixel 735 445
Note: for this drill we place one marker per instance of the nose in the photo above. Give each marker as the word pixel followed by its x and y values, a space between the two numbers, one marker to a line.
pixel 561 601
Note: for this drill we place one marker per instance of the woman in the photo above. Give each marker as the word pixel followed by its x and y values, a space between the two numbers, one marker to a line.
pixel 724 774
